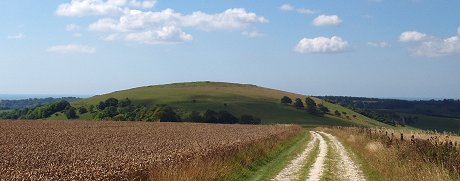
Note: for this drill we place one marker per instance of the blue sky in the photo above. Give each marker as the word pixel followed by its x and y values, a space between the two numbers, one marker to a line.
pixel 373 48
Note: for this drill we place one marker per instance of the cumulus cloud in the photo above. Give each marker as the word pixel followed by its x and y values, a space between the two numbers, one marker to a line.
pixel 16 36
pixel 289 7
pixel 327 20
pixel 322 45
pixel 286 7
pixel 72 49
pixel 379 44
pixel 168 34
pixel 409 36
pixel 431 46
pixel 251 34
pixel 137 25
pixel 230 19
pixel 100 7
pixel 122 21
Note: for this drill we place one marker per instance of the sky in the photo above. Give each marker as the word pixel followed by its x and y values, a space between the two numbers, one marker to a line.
pixel 371 48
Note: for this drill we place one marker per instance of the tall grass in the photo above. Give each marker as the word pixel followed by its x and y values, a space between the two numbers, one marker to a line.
pixel 223 164
pixel 391 156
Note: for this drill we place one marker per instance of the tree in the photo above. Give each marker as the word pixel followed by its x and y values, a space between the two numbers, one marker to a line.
pixel 337 113
pixel 124 102
pixel 298 103
pixel 82 110
pixel 249 119
pixel 194 116
pixel 101 106
pixel 311 105
pixel 111 102
pixel 110 111
pixel 71 113
pixel 165 113
pixel 286 100
pixel 226 117
pixel 323 109
pixel 210 116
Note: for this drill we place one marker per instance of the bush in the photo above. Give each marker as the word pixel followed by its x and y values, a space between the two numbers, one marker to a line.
pixel 298 103
pixel 249 119
pixel 82 110
pixel 226 118
pixel 71 113
pixel 286 100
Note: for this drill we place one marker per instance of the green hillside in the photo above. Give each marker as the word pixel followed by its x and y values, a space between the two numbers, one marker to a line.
pixel 236 98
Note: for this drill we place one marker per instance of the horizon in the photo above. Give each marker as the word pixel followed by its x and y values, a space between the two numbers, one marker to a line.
pixel 83 96
pixel 366 48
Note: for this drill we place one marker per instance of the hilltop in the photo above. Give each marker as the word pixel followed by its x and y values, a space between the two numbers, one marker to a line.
pixel 238 99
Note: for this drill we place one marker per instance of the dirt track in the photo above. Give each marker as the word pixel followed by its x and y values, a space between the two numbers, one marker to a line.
pixel 342 166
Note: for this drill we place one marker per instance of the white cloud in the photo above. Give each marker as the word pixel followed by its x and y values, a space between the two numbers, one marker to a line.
pixel 458 31
pixel 289 7
pixel 100 7
pixel 72 27
pixel 409 36
pixel 431 46
pixel 322 45
pixel 72 49
pixel 149 27
pixel 379 44
pixel 121 21
pixel 16 36
pixel 236 18
pixel 327 20
pixel 286 7
pixel 252 34
pixel 438 47
pixel 143 4
pixel 168 34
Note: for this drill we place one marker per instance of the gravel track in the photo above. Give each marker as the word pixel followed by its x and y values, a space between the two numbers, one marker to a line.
pixel 347 168
pixel 291 172
pixel 318 167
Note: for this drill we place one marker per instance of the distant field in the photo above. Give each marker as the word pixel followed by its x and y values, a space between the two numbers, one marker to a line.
pixel 79 150
pixel 436 123
pixel 236 98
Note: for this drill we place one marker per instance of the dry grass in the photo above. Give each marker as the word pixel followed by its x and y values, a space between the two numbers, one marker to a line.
pixel 65 150
pixel 387 157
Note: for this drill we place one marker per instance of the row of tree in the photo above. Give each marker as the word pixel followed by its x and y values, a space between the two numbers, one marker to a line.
pixel 31 103
pixel 223 117
pixel 41 112
pixel 310 105
pixel 124 110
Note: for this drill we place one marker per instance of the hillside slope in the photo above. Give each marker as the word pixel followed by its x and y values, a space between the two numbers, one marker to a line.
pixel 236 98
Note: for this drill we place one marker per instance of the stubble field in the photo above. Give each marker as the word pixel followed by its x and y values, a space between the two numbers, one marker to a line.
pixel 81 150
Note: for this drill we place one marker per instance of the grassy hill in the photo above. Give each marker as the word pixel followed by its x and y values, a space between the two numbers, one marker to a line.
pixel 236 98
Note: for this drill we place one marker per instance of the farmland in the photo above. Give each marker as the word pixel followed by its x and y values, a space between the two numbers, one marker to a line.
pixel 80 150
pixel 235 98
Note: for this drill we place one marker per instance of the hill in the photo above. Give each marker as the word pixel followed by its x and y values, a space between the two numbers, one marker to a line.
pixel 235 98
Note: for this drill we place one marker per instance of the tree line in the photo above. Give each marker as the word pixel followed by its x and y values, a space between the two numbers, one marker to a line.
pixel 310 105
pixel 31 103
pixel 442 108
pixel 125 110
